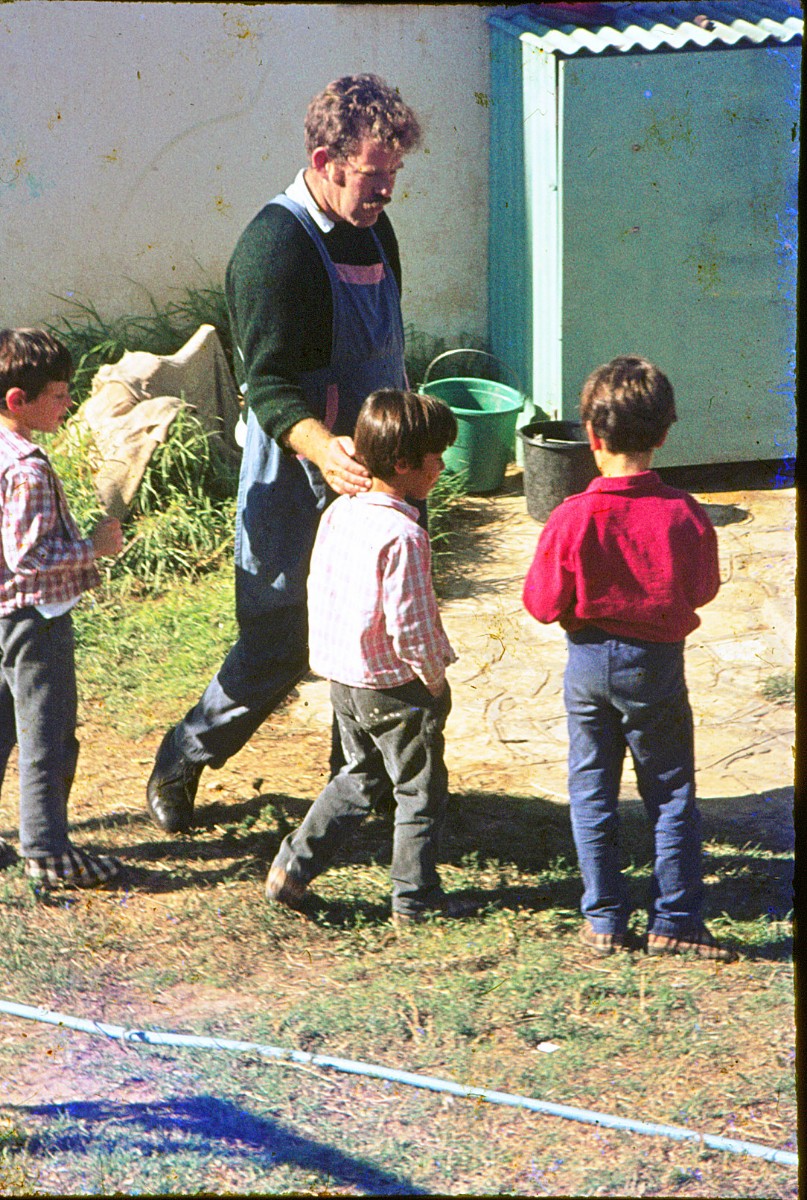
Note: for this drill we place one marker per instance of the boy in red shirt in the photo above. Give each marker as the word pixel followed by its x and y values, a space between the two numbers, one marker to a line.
pixel 622 567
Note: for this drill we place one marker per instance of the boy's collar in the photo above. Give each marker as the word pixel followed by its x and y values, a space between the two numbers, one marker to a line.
pixel 388 500
pixel 9 423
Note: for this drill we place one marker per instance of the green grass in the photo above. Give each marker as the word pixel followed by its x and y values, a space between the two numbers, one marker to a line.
pixel 469 1001
pixel 139 663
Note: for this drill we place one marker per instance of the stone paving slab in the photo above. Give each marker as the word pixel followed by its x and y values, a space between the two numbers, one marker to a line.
pixel 507 730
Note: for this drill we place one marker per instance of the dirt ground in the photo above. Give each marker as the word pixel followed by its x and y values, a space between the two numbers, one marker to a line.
pixel 506 733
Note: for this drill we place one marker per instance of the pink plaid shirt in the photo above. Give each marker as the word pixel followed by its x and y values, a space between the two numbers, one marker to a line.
pixel 43 558
pixel 372 612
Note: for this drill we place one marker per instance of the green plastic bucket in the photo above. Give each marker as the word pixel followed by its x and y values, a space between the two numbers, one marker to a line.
pixel 486 413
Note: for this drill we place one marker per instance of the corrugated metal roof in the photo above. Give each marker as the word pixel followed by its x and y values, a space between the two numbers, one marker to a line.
pixel 598 28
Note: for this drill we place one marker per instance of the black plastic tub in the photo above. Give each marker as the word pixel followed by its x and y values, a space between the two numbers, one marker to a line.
pixel 558 462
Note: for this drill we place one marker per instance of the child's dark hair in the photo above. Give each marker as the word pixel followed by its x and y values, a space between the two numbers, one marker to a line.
pixel 401 427
pixel 31 359
pixel 630 404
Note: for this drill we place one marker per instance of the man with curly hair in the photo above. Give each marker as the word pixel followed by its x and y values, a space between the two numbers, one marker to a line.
pixel 313 291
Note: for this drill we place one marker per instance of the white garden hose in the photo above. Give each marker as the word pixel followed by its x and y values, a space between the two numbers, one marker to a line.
pixel 155 1038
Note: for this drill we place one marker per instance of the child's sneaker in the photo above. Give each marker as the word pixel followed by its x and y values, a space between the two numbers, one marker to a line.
pixel 75 868
pixel 8 855
pixel 700 943
pixel 284 888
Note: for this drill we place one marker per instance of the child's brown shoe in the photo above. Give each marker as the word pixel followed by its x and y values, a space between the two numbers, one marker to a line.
pixel 602 944
pixel 284 888
pixel 73 869
pixel 700 943
pixel 8 855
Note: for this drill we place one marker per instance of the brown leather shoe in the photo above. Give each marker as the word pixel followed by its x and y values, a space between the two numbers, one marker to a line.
pixel 700 943
pixel 602 944
pixel 284 888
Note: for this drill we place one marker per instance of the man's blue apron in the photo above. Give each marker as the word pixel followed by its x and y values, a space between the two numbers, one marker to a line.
pixel 280 499
pixel 281 496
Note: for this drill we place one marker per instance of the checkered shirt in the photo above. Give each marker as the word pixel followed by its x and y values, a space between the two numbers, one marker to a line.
pixel 43 558
pixel 372 612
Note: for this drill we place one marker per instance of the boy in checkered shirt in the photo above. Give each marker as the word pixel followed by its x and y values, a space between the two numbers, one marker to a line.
pixel 45 565
pixel 376 633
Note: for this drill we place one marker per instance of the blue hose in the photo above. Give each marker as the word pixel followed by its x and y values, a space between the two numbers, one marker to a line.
pixel 154 1038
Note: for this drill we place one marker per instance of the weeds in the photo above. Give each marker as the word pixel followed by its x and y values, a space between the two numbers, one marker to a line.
pixel 182 518
pixel 780 688
pixel 444 503
pixel 423 348
pixel 184 514
pixel 95 340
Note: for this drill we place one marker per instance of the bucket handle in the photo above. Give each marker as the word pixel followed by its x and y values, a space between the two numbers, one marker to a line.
pixel 473 350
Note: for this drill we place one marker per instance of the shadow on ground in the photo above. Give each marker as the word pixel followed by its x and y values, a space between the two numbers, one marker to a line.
pixel 761 475
pixel 748 859
pixel 205 1125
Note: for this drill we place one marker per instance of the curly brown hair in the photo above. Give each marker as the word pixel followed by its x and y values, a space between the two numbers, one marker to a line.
pixel 355 108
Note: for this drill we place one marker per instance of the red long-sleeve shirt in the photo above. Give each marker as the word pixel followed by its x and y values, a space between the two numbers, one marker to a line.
pixel 630 555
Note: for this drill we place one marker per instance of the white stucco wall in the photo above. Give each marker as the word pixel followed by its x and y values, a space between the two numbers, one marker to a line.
pixel 138 139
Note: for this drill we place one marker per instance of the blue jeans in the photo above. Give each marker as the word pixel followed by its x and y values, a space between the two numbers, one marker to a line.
pixel 395 732
pixel 622 692
pixel 38 705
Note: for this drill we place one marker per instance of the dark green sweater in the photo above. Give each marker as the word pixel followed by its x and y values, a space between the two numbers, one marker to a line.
pixel 281 308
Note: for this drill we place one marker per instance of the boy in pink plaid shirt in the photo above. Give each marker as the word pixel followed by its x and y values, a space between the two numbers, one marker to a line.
pixel 375 632
pixel 45 565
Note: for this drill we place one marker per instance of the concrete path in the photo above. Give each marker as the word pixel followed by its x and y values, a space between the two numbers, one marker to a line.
pixel 507 730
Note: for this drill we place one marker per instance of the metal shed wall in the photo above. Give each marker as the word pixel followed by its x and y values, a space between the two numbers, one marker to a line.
pixel 659 216
pixel 510 249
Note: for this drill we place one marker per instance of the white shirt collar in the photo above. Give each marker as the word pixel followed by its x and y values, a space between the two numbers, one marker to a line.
pixel 387 501
pixel 297 190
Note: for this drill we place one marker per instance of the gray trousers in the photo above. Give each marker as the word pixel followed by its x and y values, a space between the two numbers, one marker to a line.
pixel 395 732
pixel 38 709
